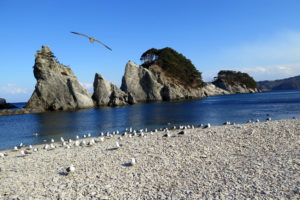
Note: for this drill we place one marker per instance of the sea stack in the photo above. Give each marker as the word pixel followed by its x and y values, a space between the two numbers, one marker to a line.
pixel 57 87
pixel 108 94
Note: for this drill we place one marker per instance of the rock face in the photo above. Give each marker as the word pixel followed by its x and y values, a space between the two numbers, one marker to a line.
pixel 152 85
pixel 4 105
pixel 108 94
pixel 234 88
pixel 57 87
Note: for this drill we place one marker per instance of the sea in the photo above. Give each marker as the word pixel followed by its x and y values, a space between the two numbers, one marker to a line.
pixel 216 110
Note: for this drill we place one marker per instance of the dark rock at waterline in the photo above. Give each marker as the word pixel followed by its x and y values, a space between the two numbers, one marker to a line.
pixel 20 111
pixel 4 105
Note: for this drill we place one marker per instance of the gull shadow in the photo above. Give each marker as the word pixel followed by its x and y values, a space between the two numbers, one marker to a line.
pixel 63 173
pixel 112 149
pixel 21 156
pixel 127 165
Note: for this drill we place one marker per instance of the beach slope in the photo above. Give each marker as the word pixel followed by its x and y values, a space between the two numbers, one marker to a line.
pixel 254 160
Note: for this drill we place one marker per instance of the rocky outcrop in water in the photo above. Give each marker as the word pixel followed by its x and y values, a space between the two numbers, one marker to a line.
pixel 57 87
pixel 152 85
pixel 108 94
pixel 4 105
pixel 235 82
pixel 234 88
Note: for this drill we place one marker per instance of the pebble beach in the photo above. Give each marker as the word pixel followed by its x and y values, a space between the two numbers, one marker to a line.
pixel 243 161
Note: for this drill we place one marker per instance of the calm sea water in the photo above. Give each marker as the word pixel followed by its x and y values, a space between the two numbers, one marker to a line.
pixel 215 110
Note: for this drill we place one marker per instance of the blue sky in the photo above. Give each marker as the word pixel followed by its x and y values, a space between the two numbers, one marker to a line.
pixel 261 37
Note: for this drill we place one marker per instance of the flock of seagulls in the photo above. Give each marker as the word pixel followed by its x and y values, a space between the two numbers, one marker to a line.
pixel 129 132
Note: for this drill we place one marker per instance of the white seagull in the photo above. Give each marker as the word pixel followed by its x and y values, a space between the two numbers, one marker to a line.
pixel 207 126
pixel 118 145
pixel 92 39
pixel 77 143
pixel 132 163
pixel 22 153
pixel 70 169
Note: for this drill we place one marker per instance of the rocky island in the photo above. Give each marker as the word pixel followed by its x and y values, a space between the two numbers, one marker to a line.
pixel 235 82
pixel 165 75
pixel 4 105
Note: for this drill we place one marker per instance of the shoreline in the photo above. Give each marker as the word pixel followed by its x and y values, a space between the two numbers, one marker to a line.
pixel 253 160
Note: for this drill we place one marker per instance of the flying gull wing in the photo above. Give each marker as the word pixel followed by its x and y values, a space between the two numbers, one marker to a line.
pixel 92 39
pixel 81 34
pixel 103 44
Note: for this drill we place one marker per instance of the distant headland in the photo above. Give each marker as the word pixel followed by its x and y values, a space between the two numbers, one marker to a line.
pixel 165 75
pixel 292 83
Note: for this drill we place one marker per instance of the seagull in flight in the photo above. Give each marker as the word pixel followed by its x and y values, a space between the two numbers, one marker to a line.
pixel 91 39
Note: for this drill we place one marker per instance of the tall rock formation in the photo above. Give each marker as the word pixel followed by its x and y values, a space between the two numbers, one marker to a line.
pixel 108 94
pixel 153 85
pixel 57 87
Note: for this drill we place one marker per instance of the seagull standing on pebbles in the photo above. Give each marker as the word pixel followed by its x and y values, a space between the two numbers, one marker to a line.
pixel 1 155
pixel 22 153
pixel 52 146
pixel 46 147
pixel 117 145
pixel 77 137
pixel 182 132
pixel 82 143
pixel 132 163
pixel 207 126
pixel 70 169
pixel 77 143
pixel 15 148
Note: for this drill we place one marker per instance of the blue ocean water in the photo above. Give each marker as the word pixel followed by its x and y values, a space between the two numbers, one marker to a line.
pixel 214 110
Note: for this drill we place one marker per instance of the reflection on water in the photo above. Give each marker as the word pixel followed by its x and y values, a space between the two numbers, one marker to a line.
pixel 215 110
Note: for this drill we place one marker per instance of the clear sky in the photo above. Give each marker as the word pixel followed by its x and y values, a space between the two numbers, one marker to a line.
pixel 260 37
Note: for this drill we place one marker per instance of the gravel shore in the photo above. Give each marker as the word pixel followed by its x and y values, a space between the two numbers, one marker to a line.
pixel 254 160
